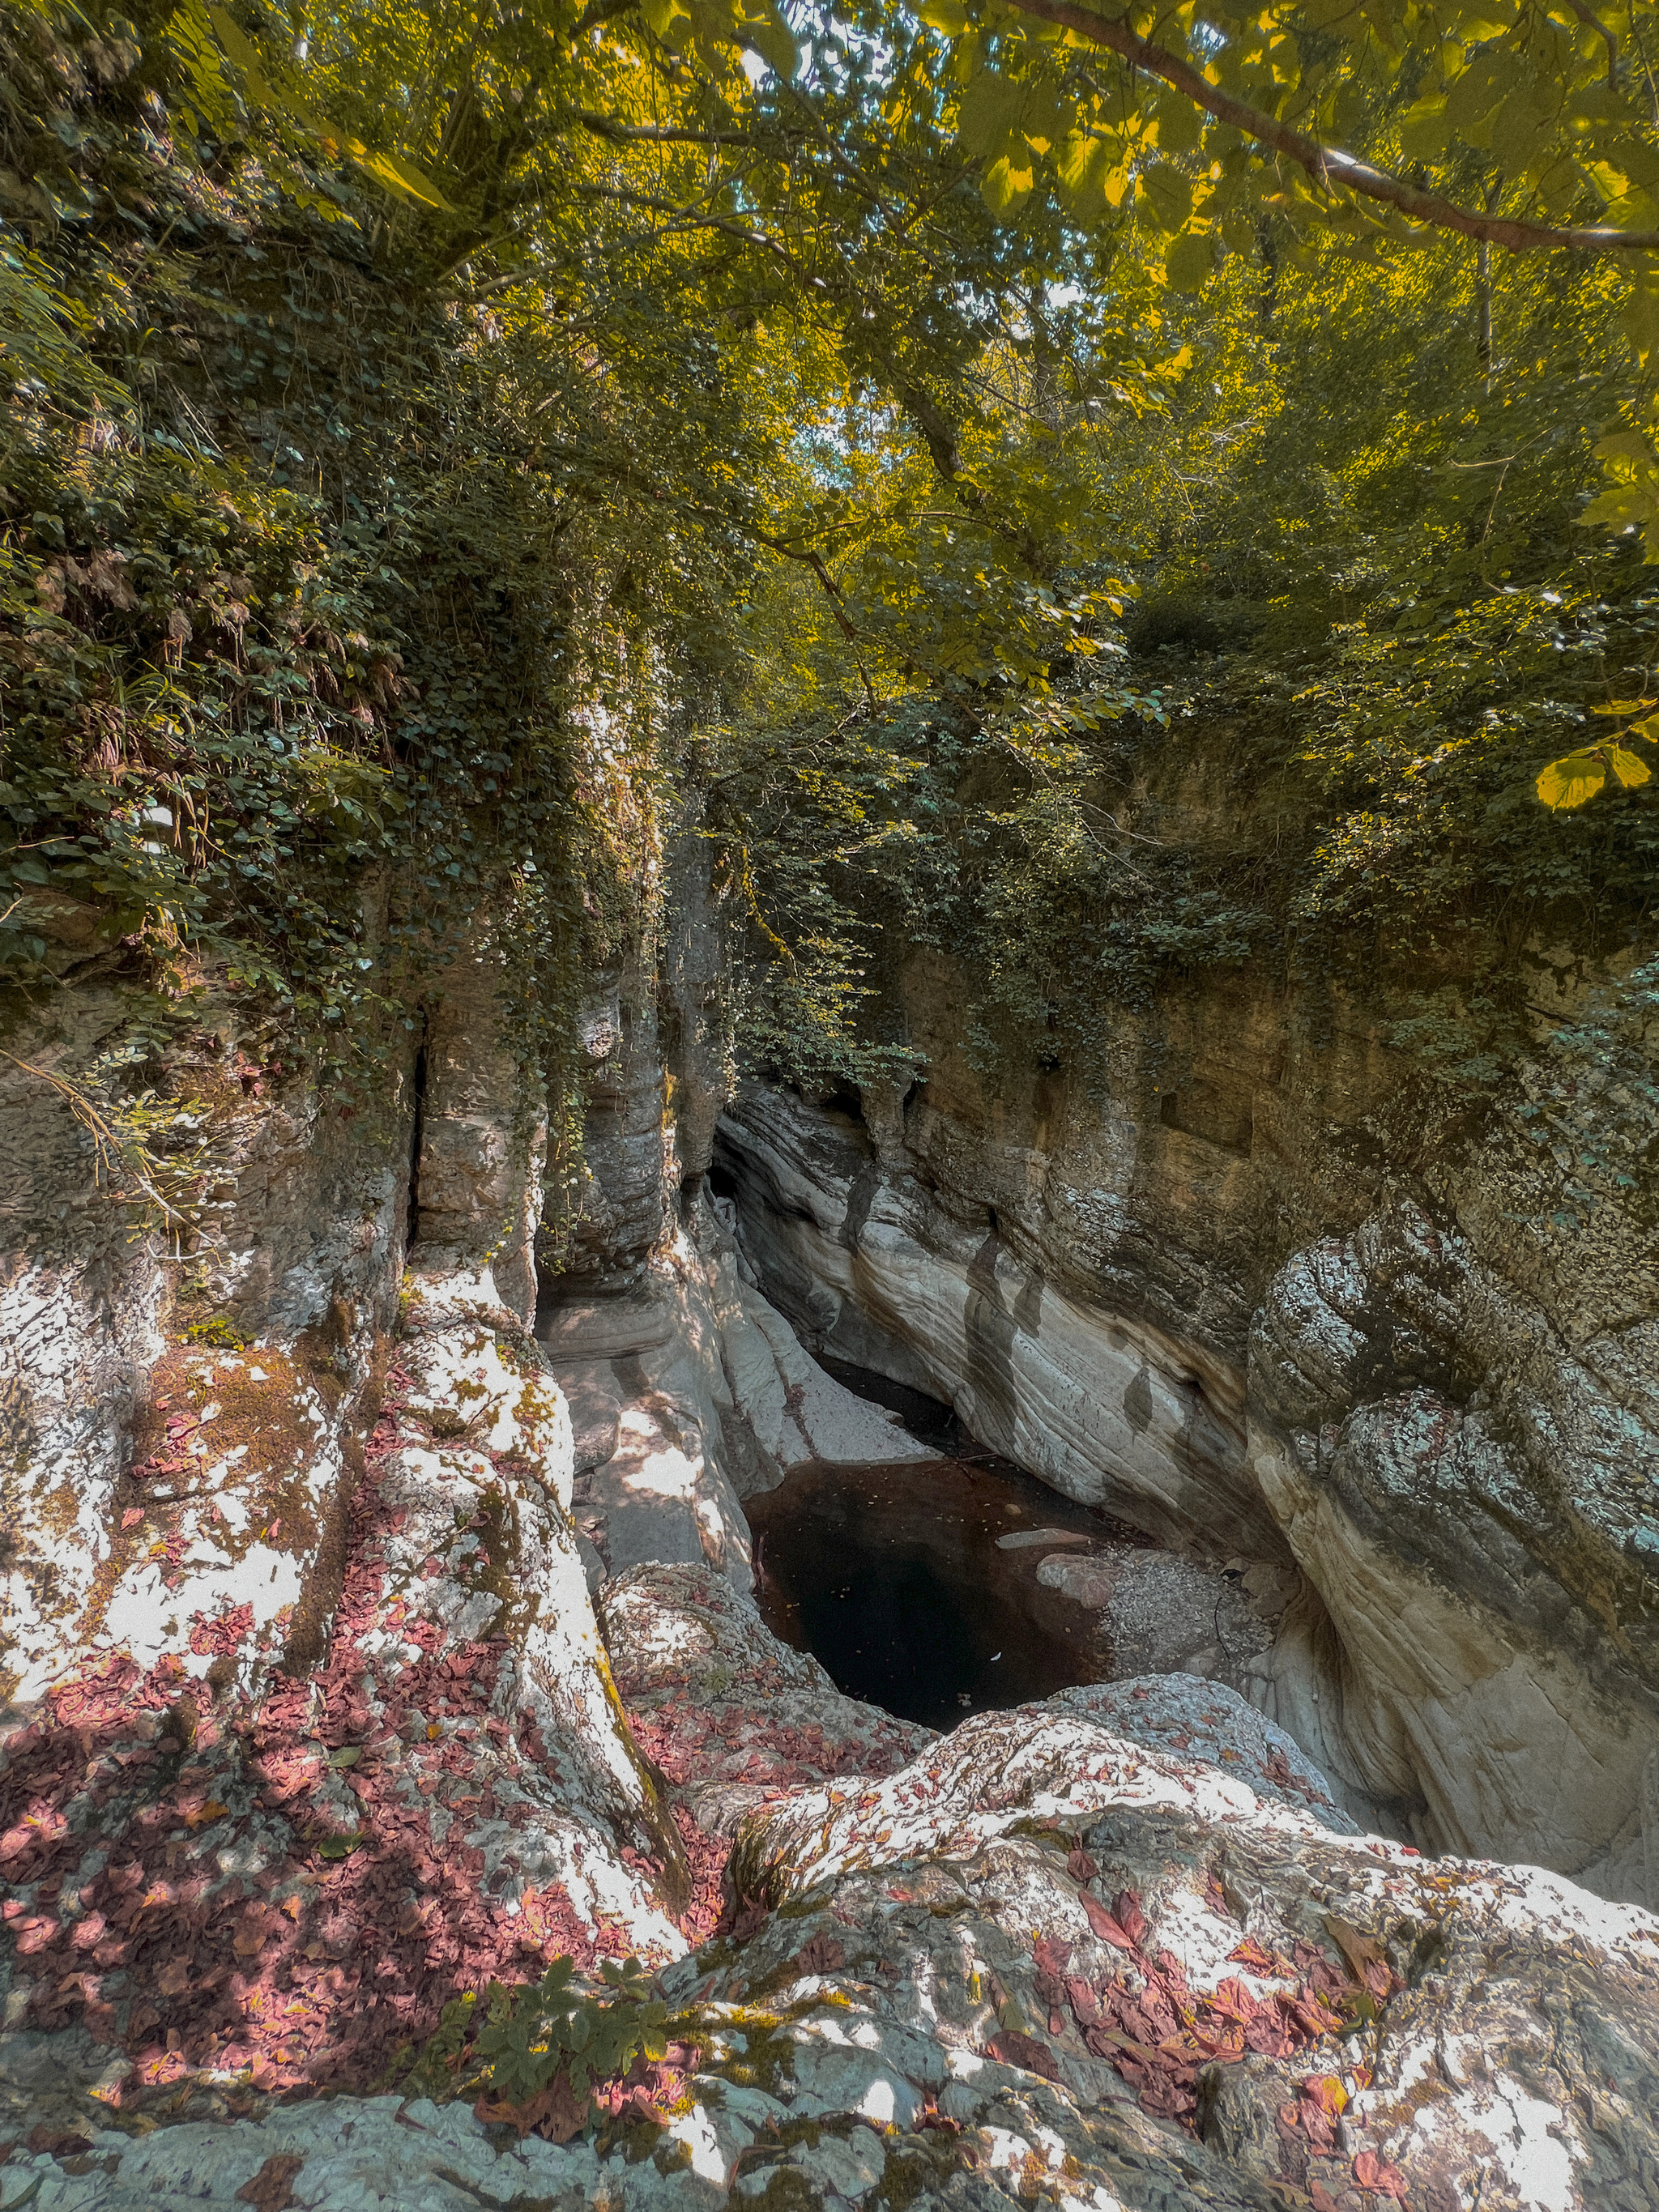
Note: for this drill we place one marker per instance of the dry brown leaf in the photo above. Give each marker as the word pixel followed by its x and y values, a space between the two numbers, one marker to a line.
pixel 1360 1949
pixel 271 2189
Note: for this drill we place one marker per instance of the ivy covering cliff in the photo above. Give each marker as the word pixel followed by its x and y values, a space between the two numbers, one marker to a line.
pixel 442 452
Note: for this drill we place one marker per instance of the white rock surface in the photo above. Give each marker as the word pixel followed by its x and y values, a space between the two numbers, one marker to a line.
pixel 1472 1547
pixel 1456 1464
pixel 704 1395
pixel 924 1997
pixel 1104 1407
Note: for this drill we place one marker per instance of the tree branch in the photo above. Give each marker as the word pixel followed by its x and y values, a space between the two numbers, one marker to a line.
pixel 686 219
pixel 632 480
pixel 1586 15
pixel 1328 165
pixel 641 134
pixel 814 562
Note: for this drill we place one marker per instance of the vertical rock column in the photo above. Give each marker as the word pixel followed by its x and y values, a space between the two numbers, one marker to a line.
pixel 482 1140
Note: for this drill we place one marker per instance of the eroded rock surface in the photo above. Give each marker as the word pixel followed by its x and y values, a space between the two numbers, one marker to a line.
pixel 1430 1443
pixel 1035 1960
pixel 875 1266
pixel 1466 1489
pixel 121 1508
pixel 691 1393
pixel 286 1876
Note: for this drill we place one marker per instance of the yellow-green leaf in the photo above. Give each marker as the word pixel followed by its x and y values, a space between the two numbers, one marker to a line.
pixel 1630 769
pixel 1190 262
pixel 1571 780
pixel 1424 130
pixel 402 176
pixel 1082 164
pixel 988 114
pixel 947 15
pixel 1006 183
pixel 1180 124
pixel 240 50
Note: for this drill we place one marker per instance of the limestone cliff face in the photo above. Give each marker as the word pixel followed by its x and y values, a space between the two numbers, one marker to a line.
pixel 1258 1295
pixel 189 1351
pixel 148 1465
pixel 353 1732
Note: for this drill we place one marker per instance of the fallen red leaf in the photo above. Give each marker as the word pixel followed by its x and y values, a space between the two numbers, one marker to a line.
pixel 822 1955
pixel 1370 2172
pixel 57 2141
pixel 1109 1930
pixel 1249 1953
pixel 1015 2048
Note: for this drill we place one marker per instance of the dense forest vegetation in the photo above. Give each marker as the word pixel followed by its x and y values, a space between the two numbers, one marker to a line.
pixel 449 452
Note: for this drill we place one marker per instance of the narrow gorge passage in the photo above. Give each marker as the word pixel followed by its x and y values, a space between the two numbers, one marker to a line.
pixel 828 1107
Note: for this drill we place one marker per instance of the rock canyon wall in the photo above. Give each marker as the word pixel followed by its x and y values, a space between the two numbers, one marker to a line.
pixel 1250 1293
pixel 379 1634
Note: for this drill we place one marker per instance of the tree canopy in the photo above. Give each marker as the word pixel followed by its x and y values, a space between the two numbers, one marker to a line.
pixel 441 437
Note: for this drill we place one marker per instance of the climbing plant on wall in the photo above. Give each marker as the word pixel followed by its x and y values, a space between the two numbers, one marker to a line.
pixel 418 419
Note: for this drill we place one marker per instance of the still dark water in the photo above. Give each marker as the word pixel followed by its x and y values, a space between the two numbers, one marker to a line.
pixel 893 1578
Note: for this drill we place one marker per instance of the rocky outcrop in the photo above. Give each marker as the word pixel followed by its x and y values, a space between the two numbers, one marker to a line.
pixel 1467 1489
pixel 608 1205
pixel 1040 1959
pixel 736 1720
pixel 154 1468
pixel 482 1130
pixel 690 1395
pixel 288 1875
pixel 325 1734
pixel 1435 1444
pixel 876 1266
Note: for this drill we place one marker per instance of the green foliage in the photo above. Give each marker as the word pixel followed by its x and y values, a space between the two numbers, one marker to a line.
pixel 1357 534
pixel 1576 776
pixel 442 449
pixel 517 2042
pixel 551 2026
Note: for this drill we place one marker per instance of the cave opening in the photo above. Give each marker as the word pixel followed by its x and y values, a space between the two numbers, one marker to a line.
pixel 930 1588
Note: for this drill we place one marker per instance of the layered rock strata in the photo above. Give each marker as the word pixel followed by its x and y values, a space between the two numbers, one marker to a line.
pixel 1429 1446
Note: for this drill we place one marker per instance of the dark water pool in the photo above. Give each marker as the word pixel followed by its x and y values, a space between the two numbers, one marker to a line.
pixel 892 1576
